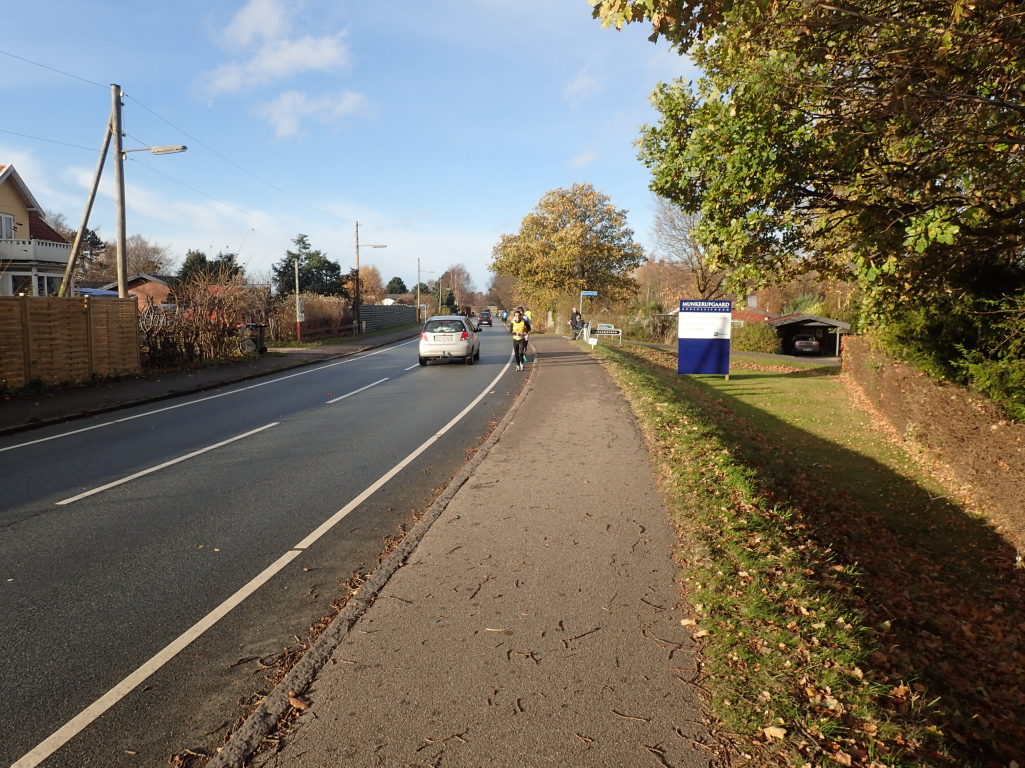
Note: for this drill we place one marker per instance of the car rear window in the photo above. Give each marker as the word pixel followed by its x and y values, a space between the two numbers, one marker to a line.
pixel 444 326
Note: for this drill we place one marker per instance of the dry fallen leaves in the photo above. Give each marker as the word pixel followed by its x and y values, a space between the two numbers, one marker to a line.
pixel 297 701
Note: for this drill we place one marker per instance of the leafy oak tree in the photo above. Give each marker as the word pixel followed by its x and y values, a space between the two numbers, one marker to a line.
pixel 574 240
pixel 881 143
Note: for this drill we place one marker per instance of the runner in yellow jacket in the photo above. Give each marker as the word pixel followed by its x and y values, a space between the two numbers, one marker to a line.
pixel 519 327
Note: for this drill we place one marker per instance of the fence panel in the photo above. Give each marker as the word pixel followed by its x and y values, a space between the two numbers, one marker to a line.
pixel 66 339
pixel 378 316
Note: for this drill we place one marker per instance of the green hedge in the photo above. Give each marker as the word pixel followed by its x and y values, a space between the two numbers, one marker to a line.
pixel 757 337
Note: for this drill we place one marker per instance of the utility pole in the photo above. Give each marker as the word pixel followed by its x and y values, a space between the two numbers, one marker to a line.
pixel 356 327
pixel 358 299
pixel 119 191
pixel 427 272
pixel 298 304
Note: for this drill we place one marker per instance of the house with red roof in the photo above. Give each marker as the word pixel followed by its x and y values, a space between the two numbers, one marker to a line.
pixel 33 255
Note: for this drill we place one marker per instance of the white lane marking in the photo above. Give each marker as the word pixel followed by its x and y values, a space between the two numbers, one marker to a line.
pixel 70 729
pixel 412 367
pixel 166 464
pixel 332 521
pixel 355 391
pixel 204 399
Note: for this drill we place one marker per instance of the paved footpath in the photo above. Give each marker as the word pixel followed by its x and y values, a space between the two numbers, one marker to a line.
pixel 537 623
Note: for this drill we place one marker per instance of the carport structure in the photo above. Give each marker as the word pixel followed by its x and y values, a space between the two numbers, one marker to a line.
pixel 789 326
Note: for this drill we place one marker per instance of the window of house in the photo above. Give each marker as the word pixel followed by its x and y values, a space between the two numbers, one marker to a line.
pixel 47 285
pixel 21 285
pixel 6 227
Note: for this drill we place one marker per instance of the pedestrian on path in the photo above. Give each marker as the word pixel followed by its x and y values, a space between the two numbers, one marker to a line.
pixel 519 327
pixel 576 322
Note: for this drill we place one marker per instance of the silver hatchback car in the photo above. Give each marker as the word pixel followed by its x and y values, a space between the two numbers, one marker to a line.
pixel 449 336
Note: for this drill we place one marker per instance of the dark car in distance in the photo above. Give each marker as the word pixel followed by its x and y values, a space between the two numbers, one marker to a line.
pixel 484 318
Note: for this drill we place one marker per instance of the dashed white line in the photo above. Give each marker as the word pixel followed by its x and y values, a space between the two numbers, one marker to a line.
pixel 205 399
pixel 166 464
pixel 355 391
pixel 412 367
pixel 74 726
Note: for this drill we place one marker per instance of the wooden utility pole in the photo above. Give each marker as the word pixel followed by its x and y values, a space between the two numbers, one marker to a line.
pixel 69 271
pixel 298 304
pixel 357 327
pixel 119 191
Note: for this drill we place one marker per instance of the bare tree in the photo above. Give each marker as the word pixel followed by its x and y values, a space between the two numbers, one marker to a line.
pixel 673 231
pixel 142 255
pixel 502 291
pixel 60 225
pixel 457 277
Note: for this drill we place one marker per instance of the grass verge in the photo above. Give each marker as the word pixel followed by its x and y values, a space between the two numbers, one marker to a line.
pixel 842 622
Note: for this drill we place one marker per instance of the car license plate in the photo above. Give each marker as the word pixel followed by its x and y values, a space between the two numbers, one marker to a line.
pixel 443 338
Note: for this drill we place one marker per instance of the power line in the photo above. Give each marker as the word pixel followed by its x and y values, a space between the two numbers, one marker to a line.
pixel 51 141
pixel 181 130
pixel 236 165
pixel 210 197
pixel 52 69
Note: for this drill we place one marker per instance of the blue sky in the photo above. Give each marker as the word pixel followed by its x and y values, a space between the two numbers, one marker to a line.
pixel 437 126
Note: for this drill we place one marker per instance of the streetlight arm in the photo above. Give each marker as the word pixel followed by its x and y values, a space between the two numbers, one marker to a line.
pixel 169 150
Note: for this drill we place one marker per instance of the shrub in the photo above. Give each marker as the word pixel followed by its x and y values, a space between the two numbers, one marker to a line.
pixel 755 337
pixel 202 323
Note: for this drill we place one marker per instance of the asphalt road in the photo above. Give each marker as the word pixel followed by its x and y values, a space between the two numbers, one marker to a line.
pixel 206 493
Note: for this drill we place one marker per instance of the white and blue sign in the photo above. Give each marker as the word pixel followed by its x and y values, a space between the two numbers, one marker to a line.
pixel 703 337
pixel 589 293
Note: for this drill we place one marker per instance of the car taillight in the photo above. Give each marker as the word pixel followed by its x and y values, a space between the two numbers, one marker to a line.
pixel 465 336
pixel 423 335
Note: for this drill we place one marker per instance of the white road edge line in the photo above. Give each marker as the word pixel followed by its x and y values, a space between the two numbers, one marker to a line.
pixel 355 391
pixel 332 521
pixel 73 727
pixel 204 399
pixel 166 464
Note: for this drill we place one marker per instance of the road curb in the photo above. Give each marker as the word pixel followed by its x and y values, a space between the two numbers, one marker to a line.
pixel 75 415
pixel 248 737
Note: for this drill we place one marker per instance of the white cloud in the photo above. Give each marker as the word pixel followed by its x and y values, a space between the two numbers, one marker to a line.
pixel 260 33
pixel 287 111
pixel 583 159
pixel 264 19
pixel 581 88
pixel 278 59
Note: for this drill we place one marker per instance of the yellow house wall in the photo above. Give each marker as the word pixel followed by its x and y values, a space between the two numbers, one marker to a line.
pixel 12 204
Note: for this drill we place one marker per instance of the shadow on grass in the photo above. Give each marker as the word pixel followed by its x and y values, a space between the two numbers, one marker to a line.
pixel 935 585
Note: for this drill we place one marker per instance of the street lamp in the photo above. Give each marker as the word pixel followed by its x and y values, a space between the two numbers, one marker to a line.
pixel 114 132
pixel 168 150
pixel 426 272
pixel 357 325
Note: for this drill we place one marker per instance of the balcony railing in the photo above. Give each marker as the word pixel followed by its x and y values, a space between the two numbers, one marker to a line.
pixel 34 250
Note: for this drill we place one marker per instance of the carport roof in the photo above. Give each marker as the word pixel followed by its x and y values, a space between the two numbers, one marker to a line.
pixel 810 321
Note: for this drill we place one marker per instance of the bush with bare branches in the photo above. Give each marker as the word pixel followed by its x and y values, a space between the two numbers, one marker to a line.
pixel 203 322
pixel 325 316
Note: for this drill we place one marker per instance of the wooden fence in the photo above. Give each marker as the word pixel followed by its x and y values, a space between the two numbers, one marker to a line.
pixel 58 340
